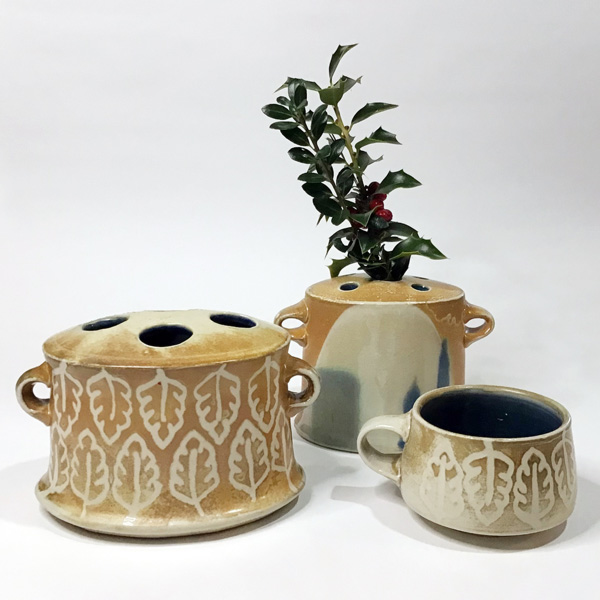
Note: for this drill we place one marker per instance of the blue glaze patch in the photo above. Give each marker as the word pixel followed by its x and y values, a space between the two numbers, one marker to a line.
pixel 411 397
pixel 444 366
pixel 401 444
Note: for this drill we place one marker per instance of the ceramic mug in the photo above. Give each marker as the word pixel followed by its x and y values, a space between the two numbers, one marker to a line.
pixel 168 423
pixel 377 346
pixel 481 459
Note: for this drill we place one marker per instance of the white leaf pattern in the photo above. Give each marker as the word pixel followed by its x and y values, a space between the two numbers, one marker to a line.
pixel 162 404
pixel 282 455
pixel 110 403
pixel 67 392
pixel 89 471
pixel 194 473
pixel 136 480
pixel 488 482
pixel 441 486
pixel 249 459
pixel 563 461
pixel 218 403
pixel 58 469
pixel 263 393
pixel 534 488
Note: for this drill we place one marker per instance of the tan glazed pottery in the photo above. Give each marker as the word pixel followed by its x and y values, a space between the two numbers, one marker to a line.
pixel 481 459
pixel 377 346
pixel 168 423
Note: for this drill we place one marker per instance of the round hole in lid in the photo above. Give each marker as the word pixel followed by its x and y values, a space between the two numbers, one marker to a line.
pixel 162 336
pixel 105 323
pixel 346 287
pixel 233 321
pixel 419 287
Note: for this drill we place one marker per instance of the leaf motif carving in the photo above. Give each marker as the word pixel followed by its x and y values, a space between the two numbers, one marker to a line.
pixel 194 473
pixel 534 488
pixel 563 461
pixel 58 469
pixel 263 393
pixel 89 471
pixel 136 480
pixel 441 486
pixel 248 459
pixel 282 453
pixel 110 403
pixel 67 392
pixel 218 403
pixel 488 482
pixel 162 404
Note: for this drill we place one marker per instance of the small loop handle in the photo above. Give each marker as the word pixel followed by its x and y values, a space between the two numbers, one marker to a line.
pixel 298 401
pixel 38 408
pixel 296 311
pixel 384 464
pixel 472 334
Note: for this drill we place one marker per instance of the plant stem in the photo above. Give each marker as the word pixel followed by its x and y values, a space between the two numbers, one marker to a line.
pixel 346 136
pixel 327 170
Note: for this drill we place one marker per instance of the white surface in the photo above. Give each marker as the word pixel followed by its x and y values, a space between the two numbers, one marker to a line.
pixel 136 171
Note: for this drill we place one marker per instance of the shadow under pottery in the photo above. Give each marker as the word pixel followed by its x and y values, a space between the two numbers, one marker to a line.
pixel 387 506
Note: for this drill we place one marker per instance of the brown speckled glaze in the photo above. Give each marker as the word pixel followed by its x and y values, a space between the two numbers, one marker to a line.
pixel 377 347
pixel 483 485
pixel 161 441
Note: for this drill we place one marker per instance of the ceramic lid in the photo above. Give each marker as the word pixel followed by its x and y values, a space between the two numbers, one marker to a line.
pixel 181 338
pixel 358 288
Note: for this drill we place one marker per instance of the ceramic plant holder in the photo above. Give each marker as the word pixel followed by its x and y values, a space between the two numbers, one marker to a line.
pixel 482 459
pixel 168 423
pixel 377 346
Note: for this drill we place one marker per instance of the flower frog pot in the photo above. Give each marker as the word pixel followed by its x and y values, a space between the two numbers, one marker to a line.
pixel 377 346
pixel 168 423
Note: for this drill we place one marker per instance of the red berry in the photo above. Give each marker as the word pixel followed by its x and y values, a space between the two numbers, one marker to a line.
pixel 384 213
pixel 381 197
pixel 372 187
pixel 375 203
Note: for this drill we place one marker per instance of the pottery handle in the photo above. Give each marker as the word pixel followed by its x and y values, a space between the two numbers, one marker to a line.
pixel 296 311
pixel 472 334
pixel 38 408
pixel 298 401
pixel 384 463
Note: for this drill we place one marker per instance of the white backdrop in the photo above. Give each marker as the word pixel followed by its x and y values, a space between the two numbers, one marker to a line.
pixel 137 171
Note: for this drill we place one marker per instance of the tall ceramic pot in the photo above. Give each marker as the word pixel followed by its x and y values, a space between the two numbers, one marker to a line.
pixel 379 345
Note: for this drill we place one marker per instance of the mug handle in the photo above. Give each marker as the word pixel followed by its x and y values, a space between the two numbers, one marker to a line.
pixel 384 464
pixel 472 334
pixel 297 401
pixel 296 311
pixel 38 408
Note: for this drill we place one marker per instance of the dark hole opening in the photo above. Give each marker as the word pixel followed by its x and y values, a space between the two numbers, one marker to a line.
pixel 104 323
pixel 482 414
pixel 419 287
pixel 346 287
pixel 162 336
pixel 233 321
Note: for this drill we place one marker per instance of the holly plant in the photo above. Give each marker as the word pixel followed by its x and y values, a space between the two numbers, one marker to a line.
pixel 336 162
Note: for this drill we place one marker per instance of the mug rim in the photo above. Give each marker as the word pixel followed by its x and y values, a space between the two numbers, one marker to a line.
pixel 492 390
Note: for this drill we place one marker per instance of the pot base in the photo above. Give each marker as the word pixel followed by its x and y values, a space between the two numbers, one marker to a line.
pixel 126 526
pixel 306 437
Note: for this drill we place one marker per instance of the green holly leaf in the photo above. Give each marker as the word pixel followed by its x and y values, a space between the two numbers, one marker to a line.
pixel 336 240
pixel 337 264
pixel 333 129
pixel 317 189
pixel 345 180
pixel 296 136
pixel 283 125
pixel 319 121
pixel 364 160
pixel 363 218
pixel 337 147
pixel 328 207
pixel 379 136
pixel 366 241
pixel 414 245
pixel 309 85
pixel 301 155
pixel 336 57
pixel 276 111
pixel 311 177
pixel 331 95
pixel 397 179
pixel 401 229
pixel 370 109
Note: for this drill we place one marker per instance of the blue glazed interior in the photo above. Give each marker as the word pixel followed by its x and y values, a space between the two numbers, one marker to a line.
pixel 484 414
pixel 162 336
pixel 231 320
pixel 105 323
